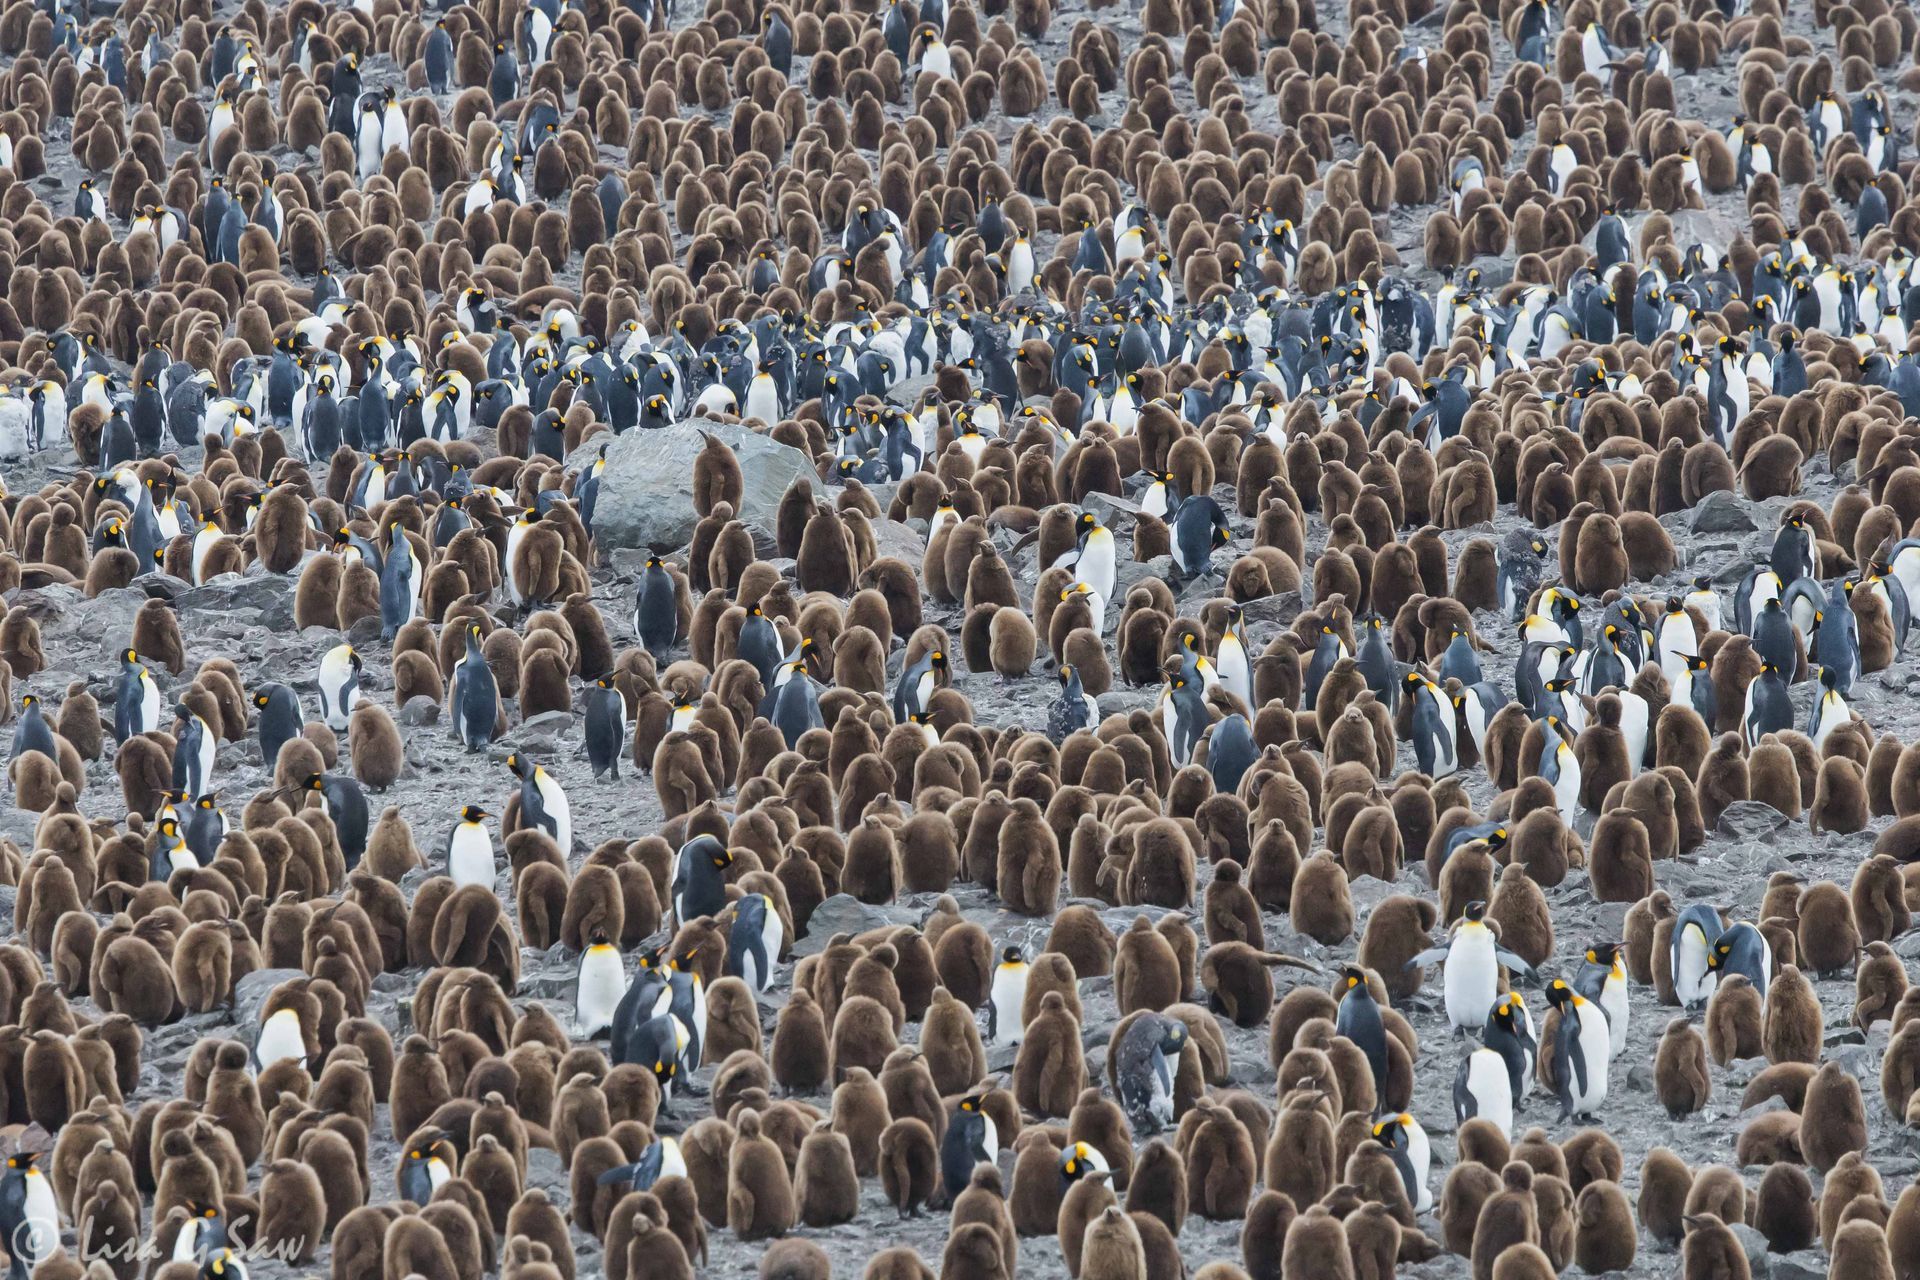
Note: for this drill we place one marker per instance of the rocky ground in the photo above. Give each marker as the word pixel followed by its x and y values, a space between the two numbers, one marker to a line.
pixel 249 620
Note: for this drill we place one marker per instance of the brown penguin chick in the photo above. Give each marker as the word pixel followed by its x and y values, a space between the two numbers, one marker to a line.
pixel 1086 1198
pixel 1111 1248
pixel 1784 1209
pixel 1879 983
pixel 1666 1184
pixel 1826 939
pixel 1833 1118
pixel 1373 1240
pixel 1523 1261
pixel 799 1051
pixel 1520 910
pixel 1049 1070
pixel 1316 1245
pixel 1878 894
pixel 1397 930
pixel 1710 1249
pixel 156 636
pixel 1510 1216
pixel 1723 778
pixel 1734 1020
pixel 760 1201
pixel 951 1044
pixel 1321 907
pixel 1220 1160
pixel 1860 1248
pixel 909 1165
pixel 1792 1022
pixel 826 1187
pixel 293 1211
pixel 1680 1076
pixel 716 476
pixel 373 744
pixel 1146 972
pixel 1604 1236
pixel 1853 1179
pixel 1301 1157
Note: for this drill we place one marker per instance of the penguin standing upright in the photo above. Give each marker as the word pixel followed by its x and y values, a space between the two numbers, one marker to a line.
pixel 1472 960
pixel 1074 709
pixel 339 685
pixel 699 886
pixel 1689 954
pixel 598 984
pixel 31 731
pixel 543 805
pixel 1581 1054
pixel 1358 1019
pixel 136 708
pixel 1144 1065
pixel 1199 529
pixel 664 1044
pixel 1769 705
pixel 427 1166
pixel 1829 710
pixel 1184 717
pixel 194 747
pixel 29 1213
pixel 971 1140
pixel 280 719
pixel 755 941
pixel 1435 747
pixel 1483 1088
pixel 1233 659
pixel 1602 978
pixel 347 807
pixel 916 685
pixel 656 610
pixel 470 856
pixel 606 728
pixel 793 707
pixel 1008 996
pixel 1412 1155
pixel 474 695
pixel 1561 767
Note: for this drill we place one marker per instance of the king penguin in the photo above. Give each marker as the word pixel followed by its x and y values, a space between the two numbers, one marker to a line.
pixel 755 940
pixel 1435 747
pixel 339 685
pixel 475 696
pixel 1358 1019
pixel 1472 960
pixel 29 1213
pixel 1602 978
pixel 598 985
pixel 1412 1155
pixel 606 728
pixel 1690 953
pixel 1008 997
pixel 1581 1054
pixel 543 805
pixel 1742 949
pixel 470 856
pixel 136 708
pixel 971 1140
pixel 699 886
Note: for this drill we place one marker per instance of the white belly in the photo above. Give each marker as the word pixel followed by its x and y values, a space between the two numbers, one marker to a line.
pixel 1009 995
pixel 1492 1089
pixel 603 980
pixel 470 858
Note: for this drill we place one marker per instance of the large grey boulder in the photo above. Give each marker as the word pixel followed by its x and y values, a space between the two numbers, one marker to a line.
pixel 646 492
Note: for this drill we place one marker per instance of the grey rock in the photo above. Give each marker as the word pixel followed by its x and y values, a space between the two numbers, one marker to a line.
pixel 1755 1246
pixel 645 500
pixel 1723 512
pixel 1702 226
pixel 420 710
pixel 268 595
pixel 892 538
pixel 1110 507
pixel 1495 272
pixel 1751 820
pixel 1794 1266
pixel 843 913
